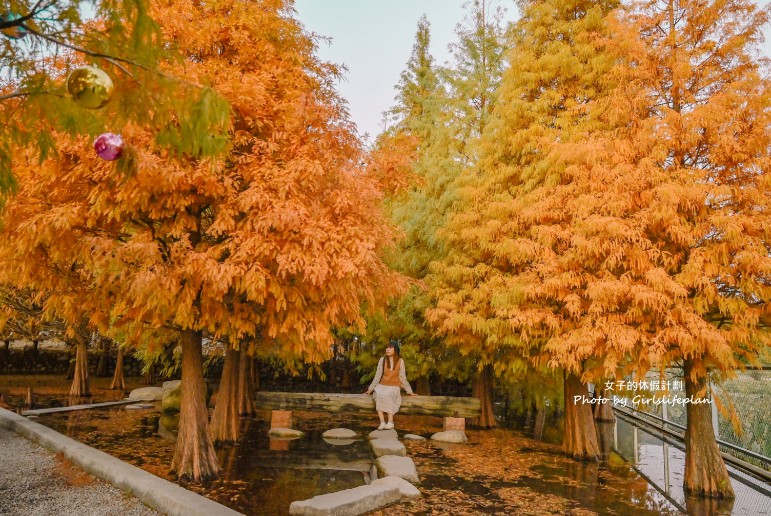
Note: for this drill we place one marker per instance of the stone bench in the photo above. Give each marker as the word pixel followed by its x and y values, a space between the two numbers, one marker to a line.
pixel 453 409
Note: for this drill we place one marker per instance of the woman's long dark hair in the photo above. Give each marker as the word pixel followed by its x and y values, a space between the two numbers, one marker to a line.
pixel 397 357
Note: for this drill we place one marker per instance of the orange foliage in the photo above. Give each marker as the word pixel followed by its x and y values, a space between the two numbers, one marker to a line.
pixel 280 237
pixel 620 219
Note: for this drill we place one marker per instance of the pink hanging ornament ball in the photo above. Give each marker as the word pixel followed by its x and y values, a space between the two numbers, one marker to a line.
pixel 108 146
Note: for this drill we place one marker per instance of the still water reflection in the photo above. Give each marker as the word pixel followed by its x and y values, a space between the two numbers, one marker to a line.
pixel 498 472
pixel 661 461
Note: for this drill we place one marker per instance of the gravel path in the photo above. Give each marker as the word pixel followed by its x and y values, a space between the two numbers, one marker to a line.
pixel 33 482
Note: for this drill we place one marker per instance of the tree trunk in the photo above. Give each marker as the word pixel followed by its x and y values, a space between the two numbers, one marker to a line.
pixel 482 389
pixel 540 421
pixel 605 437
pixel 423 386
pixel 245 385
pixel 225 421
pixel 150 374
pixel 705 471
pixel 80 381
pixel 529 416
pixel 604 411
pixel 580 433
pixel 194 457
pixel 255 375
pixel 35 345
pixel 346 382
pixel 118 381
pixel 101 368
pixel 30 404
pixel 71 370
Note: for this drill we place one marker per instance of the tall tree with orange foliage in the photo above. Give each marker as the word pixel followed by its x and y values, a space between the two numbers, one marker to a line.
pixel 279 238
pixel 664 212
pixel 557 63
pixel 640 234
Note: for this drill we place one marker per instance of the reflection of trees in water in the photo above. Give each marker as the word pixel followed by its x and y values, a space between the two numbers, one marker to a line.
pixel 697 506
pixel 605 437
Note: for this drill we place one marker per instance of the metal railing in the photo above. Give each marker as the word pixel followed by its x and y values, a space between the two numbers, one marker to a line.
pixel 749 393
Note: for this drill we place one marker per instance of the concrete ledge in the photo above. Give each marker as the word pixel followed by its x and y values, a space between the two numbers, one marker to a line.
pixel 162 495
pixel 39 412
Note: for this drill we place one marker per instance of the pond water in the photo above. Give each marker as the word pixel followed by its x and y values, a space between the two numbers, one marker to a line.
pixel 661 461
pixel 51 391
pixel 502 471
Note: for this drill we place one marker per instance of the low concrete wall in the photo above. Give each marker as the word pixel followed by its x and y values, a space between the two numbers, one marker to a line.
pixel 162 495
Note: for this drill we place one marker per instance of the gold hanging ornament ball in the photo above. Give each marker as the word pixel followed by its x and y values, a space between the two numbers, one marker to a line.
pixel 90 87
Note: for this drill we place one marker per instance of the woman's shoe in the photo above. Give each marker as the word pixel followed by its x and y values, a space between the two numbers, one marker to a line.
pixel 388 426
pixel 383 426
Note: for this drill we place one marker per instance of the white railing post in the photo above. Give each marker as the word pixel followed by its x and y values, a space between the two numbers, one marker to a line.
pixel 666 467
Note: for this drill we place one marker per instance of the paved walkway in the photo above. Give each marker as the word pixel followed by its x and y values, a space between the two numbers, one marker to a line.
pixel 33 482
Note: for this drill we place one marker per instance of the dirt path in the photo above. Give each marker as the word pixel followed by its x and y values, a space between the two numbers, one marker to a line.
pixel 35 482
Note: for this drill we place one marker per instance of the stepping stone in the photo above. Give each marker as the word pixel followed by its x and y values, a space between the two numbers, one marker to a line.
pixel 391 465
pixel 285 433
pixel 339 433
pixel 358 500
pixel 379 434
pixel 387 446
pixel 413 437
pixel 139 406
pixel 450 436
pixel 339 442
pixel 147 394
pixel 405 488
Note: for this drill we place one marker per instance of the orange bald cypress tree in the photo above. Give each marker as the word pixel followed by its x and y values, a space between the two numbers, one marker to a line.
pixel 557 65
pixel 279 238
pixel 665 208
pixel 640 236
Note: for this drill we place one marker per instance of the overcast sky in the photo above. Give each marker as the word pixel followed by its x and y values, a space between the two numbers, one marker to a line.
pixel 374 38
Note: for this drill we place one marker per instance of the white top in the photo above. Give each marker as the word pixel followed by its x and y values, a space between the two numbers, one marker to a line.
pixel 402 376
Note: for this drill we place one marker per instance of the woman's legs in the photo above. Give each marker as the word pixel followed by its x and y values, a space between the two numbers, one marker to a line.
pixel 390 417
pixel 380 415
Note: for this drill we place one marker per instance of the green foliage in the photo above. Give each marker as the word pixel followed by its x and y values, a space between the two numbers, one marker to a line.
pixel 444 110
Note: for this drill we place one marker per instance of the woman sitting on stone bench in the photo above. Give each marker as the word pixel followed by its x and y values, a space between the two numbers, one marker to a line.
pixel 387 385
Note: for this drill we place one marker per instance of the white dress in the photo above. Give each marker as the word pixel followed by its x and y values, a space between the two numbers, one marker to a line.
pixel 388 398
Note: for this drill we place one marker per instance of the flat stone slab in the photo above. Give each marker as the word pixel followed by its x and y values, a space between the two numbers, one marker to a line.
pixel 38 412
pixel 285 433
pixel 140 406
pixel 349 502
pixel 147 394
pixel 339 442
pixel 379 434
pixel 450 436
pixel 392 465
pixel 414 437
pixel 405 488
pixel 339 433
pixel 387 446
